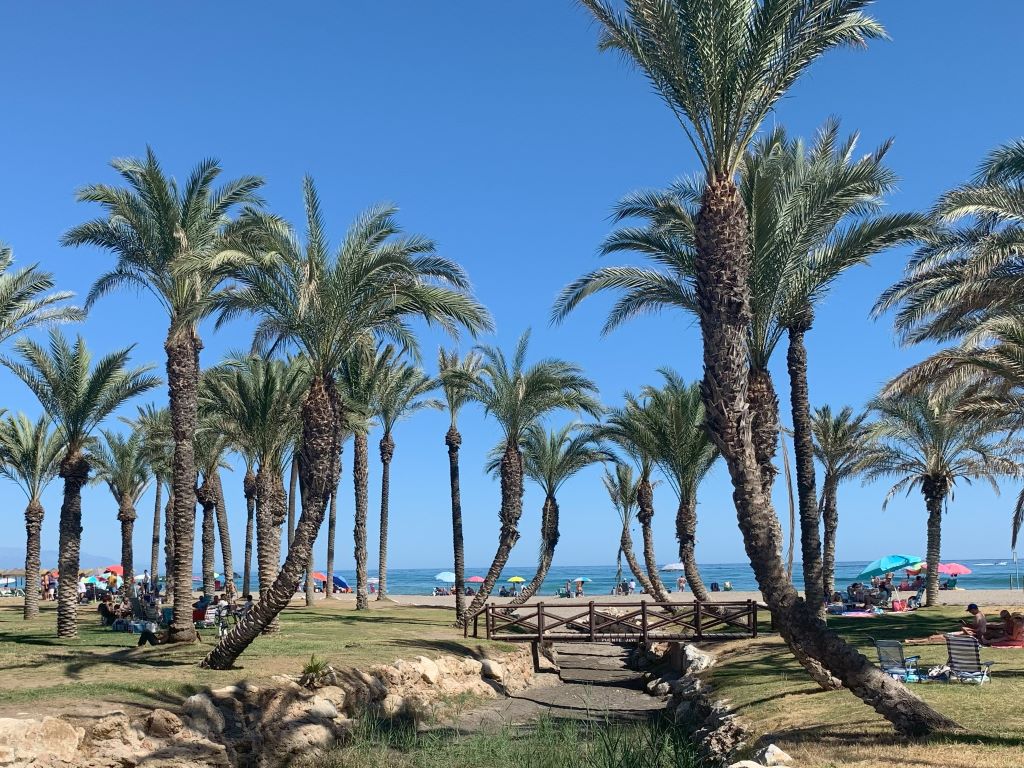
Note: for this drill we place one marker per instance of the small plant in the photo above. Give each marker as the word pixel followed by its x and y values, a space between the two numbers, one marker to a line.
pixel 316 672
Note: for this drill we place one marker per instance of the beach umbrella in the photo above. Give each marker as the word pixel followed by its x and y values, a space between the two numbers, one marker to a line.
pixel 446 576
pixel 674 567
pixel 92 580
pixel 887 564
pixel 373 580
pixel 340 583
pixel 116 569
pixel 475 579
pixel 578 579
pixel 317 576
pixel 516 580
pixel 947 569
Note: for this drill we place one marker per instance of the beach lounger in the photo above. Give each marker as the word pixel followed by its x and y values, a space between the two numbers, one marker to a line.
pixel 894 663
pixel 965 662
pixel 209 618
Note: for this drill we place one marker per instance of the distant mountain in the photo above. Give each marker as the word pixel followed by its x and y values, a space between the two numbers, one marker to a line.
pixel 14 557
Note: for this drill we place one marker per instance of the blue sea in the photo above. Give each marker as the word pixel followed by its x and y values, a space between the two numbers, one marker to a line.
pixel 986 574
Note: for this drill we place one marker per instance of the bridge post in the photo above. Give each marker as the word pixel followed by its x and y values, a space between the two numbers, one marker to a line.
pixel 753 618
pixel 592 617
pixel 540 623
pixel 697 604
pixel 643 622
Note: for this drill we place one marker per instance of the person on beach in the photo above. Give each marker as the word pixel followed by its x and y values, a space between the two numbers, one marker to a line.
pixel 632 586
pixel 1001 630
pixel 978 626
pixel 681 583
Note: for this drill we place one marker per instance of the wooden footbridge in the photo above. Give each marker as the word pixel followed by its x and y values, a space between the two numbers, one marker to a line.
pixel 609 622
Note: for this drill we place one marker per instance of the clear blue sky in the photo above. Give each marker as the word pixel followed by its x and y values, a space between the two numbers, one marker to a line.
pixel 503 134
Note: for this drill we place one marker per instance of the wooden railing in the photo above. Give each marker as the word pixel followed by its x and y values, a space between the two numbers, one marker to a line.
pixel 617 622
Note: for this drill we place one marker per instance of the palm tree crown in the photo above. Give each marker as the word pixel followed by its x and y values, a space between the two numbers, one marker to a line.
pixel 403 393
pixel 24 301
pixel 123 464
pixel 841 441
pixel 30 452
pixel 456 376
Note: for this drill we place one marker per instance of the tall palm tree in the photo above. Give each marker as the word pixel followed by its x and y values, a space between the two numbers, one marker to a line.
pixel 325 305
pixel 682 449
pixel 457 376
pixel 550 457
pixel 519 397
pixel 403 393
pixel 361 379
pixel 721 68
pixel 164 238
pixel 628 427
pixel 211 447
pixel 30 455
pixel 923 442
pixel 155 425
pixel 623 490
pixel 123 464
pixel 255 402
pixel 78 396
pixel 27 298
pixel 249 490
pixel 841 442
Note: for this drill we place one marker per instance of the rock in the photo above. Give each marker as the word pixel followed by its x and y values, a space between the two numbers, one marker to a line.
pixel 25 740
pixel 334 694
pixel 428 669
pixel 773 755
pixel 303 737
pixel 745 764
pixel 392 705
pixel 695 660
pixel 116 725
pixel 162 723
pixel 661 689
pixel 203 714
pixel 320 708
pixel 492 670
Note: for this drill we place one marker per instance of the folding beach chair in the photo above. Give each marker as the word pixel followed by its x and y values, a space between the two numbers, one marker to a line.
pixel 965 662
pixel 894 663
pixel 209 618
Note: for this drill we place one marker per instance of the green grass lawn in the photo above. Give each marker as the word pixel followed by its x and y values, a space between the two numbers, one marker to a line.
pixel 41 674
pixel 772 692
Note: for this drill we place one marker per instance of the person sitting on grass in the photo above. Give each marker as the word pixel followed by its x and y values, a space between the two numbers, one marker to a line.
pixel 1001 629
pixel 152 638
pixel 106 612
pixel 978 626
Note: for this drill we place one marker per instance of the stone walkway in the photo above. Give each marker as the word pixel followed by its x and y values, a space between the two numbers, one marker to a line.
pixel 593 683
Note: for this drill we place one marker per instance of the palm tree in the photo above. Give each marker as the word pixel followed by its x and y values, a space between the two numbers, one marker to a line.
pixel 24 299
pixel 211 445
pixel 759 51
pixel 78 397
pixel 721 68
pixel 255 402
pixel 457 377
pixel 155 425
pixel 520 397
pixel 325 305
pixel 550 457
pixel 361 379
pixel 684 452
pixel 623 491
pixel 841 442
pixel 123 464
pixel 403 393
pixel 629 429
pixel 924 442
pixel 30 455
pixel 165 239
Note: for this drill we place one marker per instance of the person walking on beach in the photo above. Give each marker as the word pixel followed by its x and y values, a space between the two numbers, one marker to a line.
pixel 632 586
pixel 681 583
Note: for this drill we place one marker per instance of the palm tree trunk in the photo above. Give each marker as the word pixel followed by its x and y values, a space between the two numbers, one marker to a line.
pixel 511 511
pixel 803 452
pixel 126 516
pixel 454 440
pixel 169 559
pixel 182 347
pixel 206 497
pixel 310 583
pixel 270 513
pixel 387 452
pixel 548 542
pixel 686 533
pixel 934 494
pixel 645 515
pixel 322 422
pixel 360 479
pixel 792 512
pixel 830 521
pixel 626 545
pixel 33 528
pixel 722 267
pixel 249 489
pixel 332 524
pixel 764 424
pixel 292 485
pixel 227 562
pixel 154 555
pixel 74 470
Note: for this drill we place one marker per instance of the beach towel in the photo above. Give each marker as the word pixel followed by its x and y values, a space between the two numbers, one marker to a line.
pixel 1008 644
pixel 859 615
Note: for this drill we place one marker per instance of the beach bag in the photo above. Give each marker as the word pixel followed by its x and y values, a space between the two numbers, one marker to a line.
pixel 940 672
